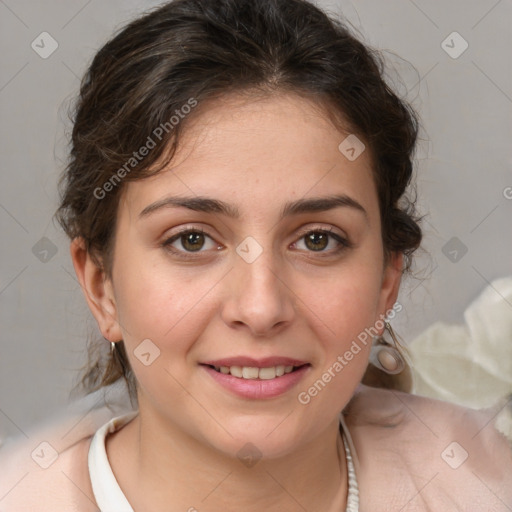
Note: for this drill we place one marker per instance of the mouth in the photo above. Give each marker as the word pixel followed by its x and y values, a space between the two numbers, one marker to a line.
pixel 257 379
pixel 255 372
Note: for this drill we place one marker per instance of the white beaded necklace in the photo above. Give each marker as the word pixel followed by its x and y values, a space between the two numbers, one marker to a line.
pixel 353 488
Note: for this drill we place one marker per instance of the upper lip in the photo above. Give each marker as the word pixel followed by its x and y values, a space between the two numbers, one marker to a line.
pixel 256 363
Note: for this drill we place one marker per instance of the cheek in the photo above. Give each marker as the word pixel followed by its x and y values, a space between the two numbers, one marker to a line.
pixel 347 300
pixel 161 303
pixel 347 309
pixel 164 308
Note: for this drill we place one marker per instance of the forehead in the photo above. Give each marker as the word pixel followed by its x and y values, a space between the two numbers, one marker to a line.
pixel 269 149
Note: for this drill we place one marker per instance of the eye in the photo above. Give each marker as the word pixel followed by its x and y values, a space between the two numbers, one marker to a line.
pixel 191 240
pixel 317 240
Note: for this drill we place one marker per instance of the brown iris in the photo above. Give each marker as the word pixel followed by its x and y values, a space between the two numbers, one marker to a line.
pixel 315 238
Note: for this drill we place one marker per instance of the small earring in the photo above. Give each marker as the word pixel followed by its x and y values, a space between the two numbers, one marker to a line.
pixel 385 356
pixel 112 347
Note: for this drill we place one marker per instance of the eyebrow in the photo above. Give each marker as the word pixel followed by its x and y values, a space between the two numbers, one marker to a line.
pixel 210 205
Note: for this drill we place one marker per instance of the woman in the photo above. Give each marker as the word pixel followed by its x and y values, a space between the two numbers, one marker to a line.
pixel 235 204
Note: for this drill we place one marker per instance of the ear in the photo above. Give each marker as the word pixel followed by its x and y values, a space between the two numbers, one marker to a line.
pixel 98 290
pixel 390 286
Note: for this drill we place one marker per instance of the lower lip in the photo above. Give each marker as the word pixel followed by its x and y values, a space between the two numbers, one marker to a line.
pixel 258 388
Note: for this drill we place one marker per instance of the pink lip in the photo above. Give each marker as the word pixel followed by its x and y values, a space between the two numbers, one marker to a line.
pixel 258 389
pixel 266 362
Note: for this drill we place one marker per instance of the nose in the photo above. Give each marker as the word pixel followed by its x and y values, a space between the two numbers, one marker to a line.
pixel 259 298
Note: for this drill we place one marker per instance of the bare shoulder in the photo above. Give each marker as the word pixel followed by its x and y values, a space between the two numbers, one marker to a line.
pixel 442 453
pixel 42 479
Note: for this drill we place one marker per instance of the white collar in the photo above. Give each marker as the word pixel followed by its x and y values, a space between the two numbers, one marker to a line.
pixel 109 496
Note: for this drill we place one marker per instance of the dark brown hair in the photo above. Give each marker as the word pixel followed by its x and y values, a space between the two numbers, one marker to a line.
pixel 189 51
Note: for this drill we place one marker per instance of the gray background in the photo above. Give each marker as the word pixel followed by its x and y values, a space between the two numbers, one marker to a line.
pixel 463 165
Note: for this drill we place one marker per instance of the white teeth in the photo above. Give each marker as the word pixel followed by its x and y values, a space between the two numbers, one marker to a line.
pixel 236 371
pixel 267 373
pixel 251 372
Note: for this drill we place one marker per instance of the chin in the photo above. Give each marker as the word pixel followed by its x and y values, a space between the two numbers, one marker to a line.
pixel 257 438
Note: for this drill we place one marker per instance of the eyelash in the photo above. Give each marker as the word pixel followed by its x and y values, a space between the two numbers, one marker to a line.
pixel 343 242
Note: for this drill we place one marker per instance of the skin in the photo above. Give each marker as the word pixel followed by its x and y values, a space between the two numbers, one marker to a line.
pixel 181 450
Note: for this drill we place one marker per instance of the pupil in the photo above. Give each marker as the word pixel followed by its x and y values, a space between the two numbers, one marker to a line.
pixel 191 239
pixel 316 238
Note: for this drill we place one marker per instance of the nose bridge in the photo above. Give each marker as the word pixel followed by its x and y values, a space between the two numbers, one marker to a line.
pixel 260 273
pixel 260 300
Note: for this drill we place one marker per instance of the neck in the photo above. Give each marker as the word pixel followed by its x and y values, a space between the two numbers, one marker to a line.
pixel 166 467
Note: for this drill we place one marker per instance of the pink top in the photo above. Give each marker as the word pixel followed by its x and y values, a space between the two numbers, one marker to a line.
pixel 410 454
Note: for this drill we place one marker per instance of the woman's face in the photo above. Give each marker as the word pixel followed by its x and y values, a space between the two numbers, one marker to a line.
pixel 264 288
